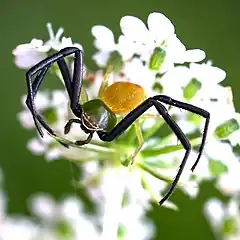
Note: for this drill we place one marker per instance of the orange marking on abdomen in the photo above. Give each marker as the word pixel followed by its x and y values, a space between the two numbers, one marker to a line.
pixel 123 97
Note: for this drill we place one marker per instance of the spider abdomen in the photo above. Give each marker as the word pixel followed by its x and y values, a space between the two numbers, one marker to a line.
pixel 97 116
pixel 123 97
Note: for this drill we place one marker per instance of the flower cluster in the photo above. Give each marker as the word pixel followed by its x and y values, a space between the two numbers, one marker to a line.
pixel 68 220
pixel 153 57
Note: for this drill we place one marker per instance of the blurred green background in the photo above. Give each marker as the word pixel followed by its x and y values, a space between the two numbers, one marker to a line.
pixel 211 25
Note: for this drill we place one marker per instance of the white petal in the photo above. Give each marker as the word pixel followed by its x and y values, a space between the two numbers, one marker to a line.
pixel 104 38
pixel 160 26
pixel 26 119
pixel 208 74
pixel 29 58
pixel 53 154
pixel 175 50
pixel 43 206
pixel 42 100
pixel 194 55
pixel 228 183
pixel 18 228
pixel 71 208
pixel 101 58
pixel 59 98
pixel 51 32
pixel 35 146
pixel 134 29
pixel 35 44
pixel 214 209
pixel 233 208
pixel 126 47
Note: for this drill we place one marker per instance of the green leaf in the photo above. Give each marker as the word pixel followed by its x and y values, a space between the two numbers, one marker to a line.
pixel 227 128
pixel 217 168
pixel 191 89
pixel 229 227
pixel 157 59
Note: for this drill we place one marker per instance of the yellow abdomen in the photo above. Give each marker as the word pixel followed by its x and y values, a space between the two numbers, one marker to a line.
pixel 123 97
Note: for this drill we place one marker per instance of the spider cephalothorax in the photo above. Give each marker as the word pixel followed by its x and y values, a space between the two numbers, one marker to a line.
pixel 98 115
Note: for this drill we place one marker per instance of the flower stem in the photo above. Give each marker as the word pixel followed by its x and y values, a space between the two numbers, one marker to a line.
pixel 90 146
pixel 154 173
pixel 149 152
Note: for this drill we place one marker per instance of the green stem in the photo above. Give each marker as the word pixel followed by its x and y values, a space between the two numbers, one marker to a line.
pixel 149 152
pixel 152 130
pixel 89 147
pixel 153 172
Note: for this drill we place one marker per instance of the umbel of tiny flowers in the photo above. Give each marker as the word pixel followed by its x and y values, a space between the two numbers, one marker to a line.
pixel 147 57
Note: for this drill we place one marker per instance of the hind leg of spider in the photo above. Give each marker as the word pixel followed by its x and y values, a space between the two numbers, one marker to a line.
pixel 193 109
pixel 137 112
pixel 184 141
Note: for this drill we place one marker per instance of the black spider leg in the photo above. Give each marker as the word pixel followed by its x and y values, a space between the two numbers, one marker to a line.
pixel 43 67
pixel 39 78
pixel 133 115
pixel 31 105
pixel 35 86
pixel 193 109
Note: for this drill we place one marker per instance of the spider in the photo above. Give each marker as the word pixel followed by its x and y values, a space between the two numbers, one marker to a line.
pixel 98 115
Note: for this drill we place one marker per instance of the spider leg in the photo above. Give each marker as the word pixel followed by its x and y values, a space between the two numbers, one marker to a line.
pixel 77 83
pixel 30 104
pixel 137 112
pixel 183 139
pixel 193 109
pixel 40 70
pixel 69 124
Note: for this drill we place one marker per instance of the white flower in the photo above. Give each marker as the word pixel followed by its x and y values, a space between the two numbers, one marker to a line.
pixel 160 33
pixel 104 41
pixel 55 42
pixel 18 228
pixel 29 54
pixel 114 183
pixel 224 219
pixel 69 212
pixel 176 79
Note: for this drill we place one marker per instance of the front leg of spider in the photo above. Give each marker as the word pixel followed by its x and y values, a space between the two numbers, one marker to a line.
pixel 67 130
pixel 137 112
pixel 40 69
